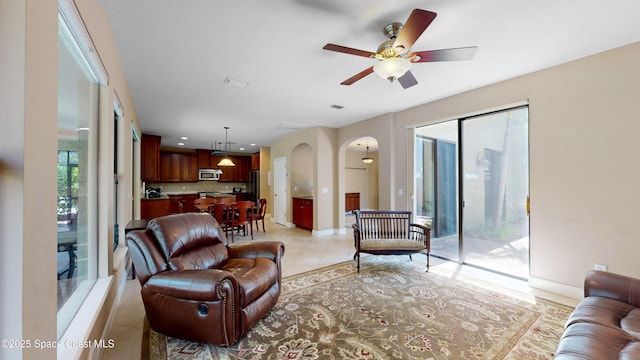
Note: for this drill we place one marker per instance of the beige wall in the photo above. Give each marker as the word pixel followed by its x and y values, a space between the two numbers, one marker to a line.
pixel 322 142
pixel 28 144
pixel 28 73
pixel 362 178
pixel 302 171
pixel 583 144
pixel 266 177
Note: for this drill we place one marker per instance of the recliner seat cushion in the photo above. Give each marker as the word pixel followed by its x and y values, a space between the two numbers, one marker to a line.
pixel 595 341
pixel 607 312
pixel 601 328
pixel 254 276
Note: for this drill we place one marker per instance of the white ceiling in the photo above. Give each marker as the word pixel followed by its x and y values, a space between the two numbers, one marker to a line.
pixel 177 54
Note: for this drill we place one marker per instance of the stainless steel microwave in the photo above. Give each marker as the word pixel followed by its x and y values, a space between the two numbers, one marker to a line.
pixel 209 174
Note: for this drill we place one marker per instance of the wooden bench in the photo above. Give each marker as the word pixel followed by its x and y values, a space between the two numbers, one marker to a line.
pixel 389 233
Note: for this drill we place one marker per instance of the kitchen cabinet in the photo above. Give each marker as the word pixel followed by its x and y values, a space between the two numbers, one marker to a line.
pixel 150 158
pixel 243 167
pixel 255 161
pixel 183 203
pixel 153 208
pixel 205 159
pixel 189 167
pixel 178 167
pixel 244 196
pixel 351 201
pixel 303 213
pixel 238 173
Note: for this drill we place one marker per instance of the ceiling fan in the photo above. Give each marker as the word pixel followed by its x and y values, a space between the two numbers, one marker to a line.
pixel 394 55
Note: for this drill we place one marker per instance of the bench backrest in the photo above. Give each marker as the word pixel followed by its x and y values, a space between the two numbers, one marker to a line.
pixel 383 224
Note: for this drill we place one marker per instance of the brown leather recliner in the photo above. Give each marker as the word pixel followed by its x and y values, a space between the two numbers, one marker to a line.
pixel 606 323
pixel 195 287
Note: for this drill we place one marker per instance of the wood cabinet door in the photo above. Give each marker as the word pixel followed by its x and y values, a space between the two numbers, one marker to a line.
pixel 150 158
pixel 150 209
pixel 204 159
pixel 243 166
pixel 255 161
pixel 297 209
pixel 189 167
pixel 170 166
pixel 189 205
pixel 307 216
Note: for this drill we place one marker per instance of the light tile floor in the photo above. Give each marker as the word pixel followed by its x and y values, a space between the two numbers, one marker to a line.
pixel 303 252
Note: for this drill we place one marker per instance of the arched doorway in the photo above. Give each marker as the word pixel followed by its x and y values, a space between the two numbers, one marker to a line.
pixel 361 186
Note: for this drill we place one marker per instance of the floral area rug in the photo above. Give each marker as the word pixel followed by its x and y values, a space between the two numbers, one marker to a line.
pixel 391 310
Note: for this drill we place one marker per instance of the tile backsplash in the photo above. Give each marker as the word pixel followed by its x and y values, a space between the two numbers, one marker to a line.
pixel 200 186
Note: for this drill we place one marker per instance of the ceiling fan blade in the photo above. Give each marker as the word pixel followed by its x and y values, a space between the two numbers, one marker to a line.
pixel 348 50
pixel 357 76
pixel 463 53
pixel 407 80
pixel 417 22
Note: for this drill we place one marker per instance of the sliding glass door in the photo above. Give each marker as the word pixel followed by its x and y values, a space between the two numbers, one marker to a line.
pixel 485 159
pixel 436 189
pixel 495 165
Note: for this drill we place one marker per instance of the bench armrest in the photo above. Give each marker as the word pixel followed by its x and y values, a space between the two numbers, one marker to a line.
pixel 421 233
pixel 613 286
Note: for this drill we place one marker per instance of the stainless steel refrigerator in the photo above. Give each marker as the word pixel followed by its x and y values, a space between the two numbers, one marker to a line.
pixel 254 184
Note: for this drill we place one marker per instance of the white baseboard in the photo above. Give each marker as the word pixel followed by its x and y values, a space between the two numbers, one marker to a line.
pixel 554 291
pixel 323 232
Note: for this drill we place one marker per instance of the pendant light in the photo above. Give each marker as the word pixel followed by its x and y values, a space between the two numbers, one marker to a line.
pixel 367 160
pixel 226 161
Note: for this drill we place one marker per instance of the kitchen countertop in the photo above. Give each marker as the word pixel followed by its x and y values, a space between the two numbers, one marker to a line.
pixel 167 195
pixel 161 197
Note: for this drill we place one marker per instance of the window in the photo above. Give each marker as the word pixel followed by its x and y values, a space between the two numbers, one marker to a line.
pixel 77 253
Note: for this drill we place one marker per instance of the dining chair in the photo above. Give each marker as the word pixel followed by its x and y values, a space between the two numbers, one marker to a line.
pixel 221 212
pixel 262 210
pixel 227 200
pixel 200 204
pixel 241 217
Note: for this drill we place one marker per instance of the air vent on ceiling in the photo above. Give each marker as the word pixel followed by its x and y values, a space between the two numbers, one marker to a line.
pixel 234 82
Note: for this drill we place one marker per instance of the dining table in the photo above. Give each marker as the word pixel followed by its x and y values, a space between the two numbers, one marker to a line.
pixel 67 241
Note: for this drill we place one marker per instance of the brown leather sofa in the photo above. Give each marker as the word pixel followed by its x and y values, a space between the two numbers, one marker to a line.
pixel 606 323
pixel 196 287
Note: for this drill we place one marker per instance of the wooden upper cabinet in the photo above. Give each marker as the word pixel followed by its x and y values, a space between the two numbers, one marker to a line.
pixel 204 159
pixel 238 173
pixel 169 166
pixel 150 159
pixel 178 167
pixel 255 161
pixel 243 166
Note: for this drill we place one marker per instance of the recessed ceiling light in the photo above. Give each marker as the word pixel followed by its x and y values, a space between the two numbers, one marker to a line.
pixel 181 144
pixel 184 138
pixel 241 149
pixel 253 144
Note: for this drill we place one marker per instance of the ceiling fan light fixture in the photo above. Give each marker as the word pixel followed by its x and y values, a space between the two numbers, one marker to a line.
pixel 392 68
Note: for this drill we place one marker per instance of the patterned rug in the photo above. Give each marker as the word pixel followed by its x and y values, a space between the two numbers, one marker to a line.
pixel 391 310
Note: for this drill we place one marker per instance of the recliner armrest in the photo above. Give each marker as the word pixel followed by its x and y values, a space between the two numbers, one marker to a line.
pixel 196 285
pixel 614 286
pixel 273 250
